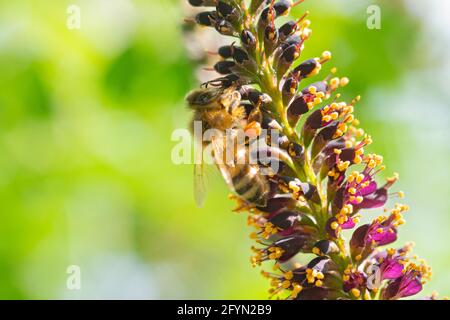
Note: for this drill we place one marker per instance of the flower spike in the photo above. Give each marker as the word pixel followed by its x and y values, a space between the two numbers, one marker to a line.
pixel 324 180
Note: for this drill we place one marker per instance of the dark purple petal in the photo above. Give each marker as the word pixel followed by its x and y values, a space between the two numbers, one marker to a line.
pixel 291 246
pixel 409 284
pixel 275 205
pixel 284 220
pixel 338 201
pixel 316 293
pixel 326 247
pixel 374 200
pixel 358 239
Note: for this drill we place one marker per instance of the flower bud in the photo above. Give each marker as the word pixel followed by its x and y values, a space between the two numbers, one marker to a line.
pixel 224 27
pixel 297 107
pixel 307 68
pixel 224 67
pixel 224 9
pixel 207 19
pixel 248 40
pixel 287 30
pixel 323 137
pixel 287 57
pixel 284 220
pixel 282 7
pixel 203 3
pixel 291 246
pixel 325 247
pixel 289 89
pixel 270 39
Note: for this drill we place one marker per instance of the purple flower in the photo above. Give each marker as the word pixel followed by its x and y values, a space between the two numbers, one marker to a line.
pixel 407 285
pixel 333 226
pixel 354 280
pixel 303 205
pixel 390 263
pixel 390 268
pixel 361 190
pixel 382 231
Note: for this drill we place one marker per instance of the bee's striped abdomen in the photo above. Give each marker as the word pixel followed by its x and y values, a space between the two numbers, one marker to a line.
pixel 249 185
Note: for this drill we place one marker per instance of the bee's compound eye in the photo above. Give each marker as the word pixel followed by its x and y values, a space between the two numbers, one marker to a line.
pixel 204 98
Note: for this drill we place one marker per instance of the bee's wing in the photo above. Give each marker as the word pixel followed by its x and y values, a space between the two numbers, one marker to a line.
pixel 199 184
pixel 218 147
pixel 199 175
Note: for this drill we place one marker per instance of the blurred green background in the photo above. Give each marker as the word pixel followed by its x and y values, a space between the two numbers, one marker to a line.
pixel 86 118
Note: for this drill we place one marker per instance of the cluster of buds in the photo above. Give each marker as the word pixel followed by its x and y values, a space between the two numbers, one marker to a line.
pixel 326 179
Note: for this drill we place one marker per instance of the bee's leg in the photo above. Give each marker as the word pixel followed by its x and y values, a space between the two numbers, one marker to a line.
pixel 238 113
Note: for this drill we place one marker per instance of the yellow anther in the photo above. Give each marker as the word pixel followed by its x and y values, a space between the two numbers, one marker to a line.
pixel 356 293
pixel 344 81
pixel 326 55
pixel 326 118
pixel 343 165
pixel 360 178
pixel 320 94
pixel 289 275
pixel 286 284
pixel 296 290
pixel 371 164
pixel 349 118
pixel 334 115
pixel 391 251
pixel 319 283
pixel 334 83
pixel 317 101
pixel 305 24
pixel 368 140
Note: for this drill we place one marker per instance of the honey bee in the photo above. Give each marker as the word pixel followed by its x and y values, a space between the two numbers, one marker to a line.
pixel 220 108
